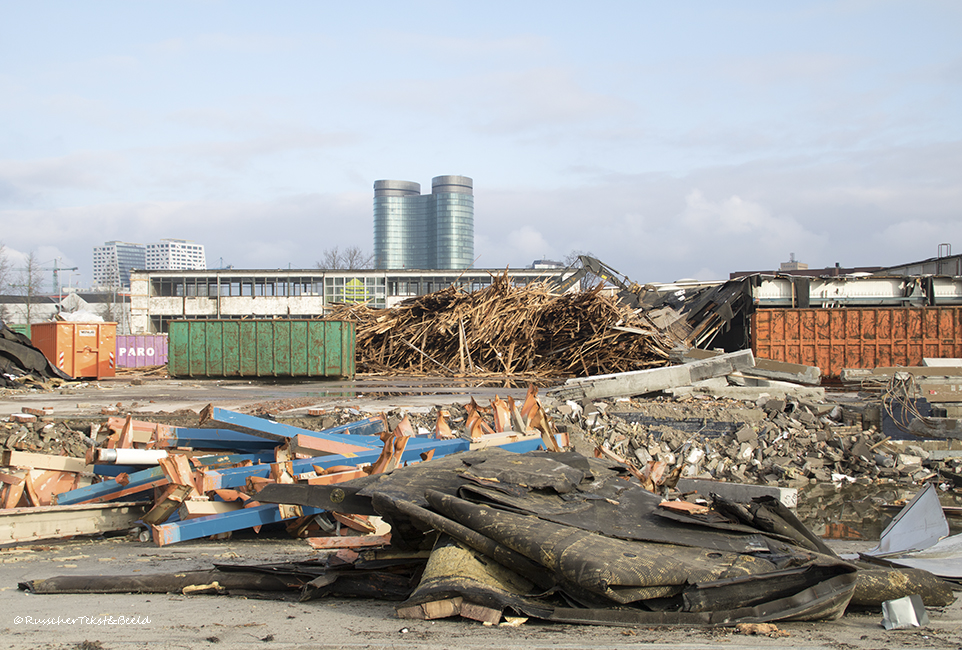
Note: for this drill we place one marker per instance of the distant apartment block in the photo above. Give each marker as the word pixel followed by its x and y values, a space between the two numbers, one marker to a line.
pixel 113 262
pixel 424 231
pixel 176 255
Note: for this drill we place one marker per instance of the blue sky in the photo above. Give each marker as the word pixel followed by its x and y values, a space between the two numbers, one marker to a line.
pixel 670 140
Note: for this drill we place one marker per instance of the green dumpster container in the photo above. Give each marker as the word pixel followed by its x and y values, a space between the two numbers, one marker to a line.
pixel 20 328
pixel 261 348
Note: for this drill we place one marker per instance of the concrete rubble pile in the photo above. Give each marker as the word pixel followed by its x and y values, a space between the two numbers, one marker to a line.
pixel 779 442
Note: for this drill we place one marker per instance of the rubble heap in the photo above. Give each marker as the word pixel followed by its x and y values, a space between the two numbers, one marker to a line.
pixel 783 442
pixel 507 330
pixel 27 432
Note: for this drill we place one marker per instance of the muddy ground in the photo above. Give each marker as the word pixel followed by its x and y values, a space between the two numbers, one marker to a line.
pixel 175 621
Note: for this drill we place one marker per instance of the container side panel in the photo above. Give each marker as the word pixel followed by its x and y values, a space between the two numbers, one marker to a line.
pixel 834 339
pixel 106 350
pixel 177 349
pixel 247 345
pixel 299 348
pixel 315 352
pixel 332 349
pixel 264 349
pixel 213 351
pixel 197 345
pixel 228 354
pixel 281 339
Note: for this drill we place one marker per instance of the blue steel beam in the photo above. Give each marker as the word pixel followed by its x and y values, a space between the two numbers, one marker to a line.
pixel 363 433
pixel 144 478
pixel 179 531
pixel 237 476
pixel 225 439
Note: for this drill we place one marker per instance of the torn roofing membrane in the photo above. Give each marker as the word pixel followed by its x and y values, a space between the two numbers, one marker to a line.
pixel 603 541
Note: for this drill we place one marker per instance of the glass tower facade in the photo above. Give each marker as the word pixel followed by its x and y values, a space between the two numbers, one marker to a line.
pixel 424 231
pixel 113 262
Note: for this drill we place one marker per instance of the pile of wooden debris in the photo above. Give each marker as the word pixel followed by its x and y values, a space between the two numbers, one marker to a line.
pixel 186 482
pixel 506 330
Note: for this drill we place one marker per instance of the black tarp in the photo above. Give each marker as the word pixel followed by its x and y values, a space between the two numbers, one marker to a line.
pixel 591 542
pixel 19 358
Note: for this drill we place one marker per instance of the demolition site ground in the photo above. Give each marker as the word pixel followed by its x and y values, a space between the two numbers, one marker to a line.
pixel 110 621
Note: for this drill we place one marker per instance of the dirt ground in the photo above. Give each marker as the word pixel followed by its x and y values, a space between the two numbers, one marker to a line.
pixel 124 621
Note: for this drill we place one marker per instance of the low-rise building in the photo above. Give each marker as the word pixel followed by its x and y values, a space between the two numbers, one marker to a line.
pixel 158 297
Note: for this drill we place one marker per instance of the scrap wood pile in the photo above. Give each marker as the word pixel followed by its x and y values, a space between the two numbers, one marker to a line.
pixel 505 329
pixel 186 483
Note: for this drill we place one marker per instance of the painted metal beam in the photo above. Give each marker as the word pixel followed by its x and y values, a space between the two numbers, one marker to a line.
pixel 364 434
pixel 145 479
pixel 237 476
pixel 171 533
pixel 225 439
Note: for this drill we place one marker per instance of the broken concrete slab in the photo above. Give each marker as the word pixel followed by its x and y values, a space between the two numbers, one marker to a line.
pixel 738 492
pixel 751 393
pixel 942 392
pixel 714 382
pixel 937 428
pixel 641 382
pixel 856 375
pixel 764 368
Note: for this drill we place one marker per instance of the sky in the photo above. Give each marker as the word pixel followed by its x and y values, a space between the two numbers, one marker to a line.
pixel 670 140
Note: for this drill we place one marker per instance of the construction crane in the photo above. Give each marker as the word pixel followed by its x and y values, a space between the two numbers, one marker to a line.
pixel 56 274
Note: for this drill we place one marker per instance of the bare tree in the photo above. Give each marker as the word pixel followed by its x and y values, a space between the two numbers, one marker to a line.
pixel 351 258
pixel 573 255
pixel 4 269
pixel 28 282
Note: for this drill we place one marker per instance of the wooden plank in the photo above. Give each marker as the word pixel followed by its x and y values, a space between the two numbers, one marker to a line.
pixel 498 439
pixel 19 525
pixel 480 613
pixel 14 493
pixel 314 446
pixel 165 506
pixel 194 508
pixel 13 458
pixel 435 609
pixel 345 541
pixel 337 477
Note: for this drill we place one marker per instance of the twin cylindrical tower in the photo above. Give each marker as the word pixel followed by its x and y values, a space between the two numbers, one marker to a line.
pixel 424 231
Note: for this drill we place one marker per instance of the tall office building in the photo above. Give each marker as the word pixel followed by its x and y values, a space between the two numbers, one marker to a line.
pixel 424 231
pixel 175 255
pixel 113 262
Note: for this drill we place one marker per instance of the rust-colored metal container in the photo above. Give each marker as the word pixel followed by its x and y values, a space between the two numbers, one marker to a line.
pixel 834 339
pixel 82 350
